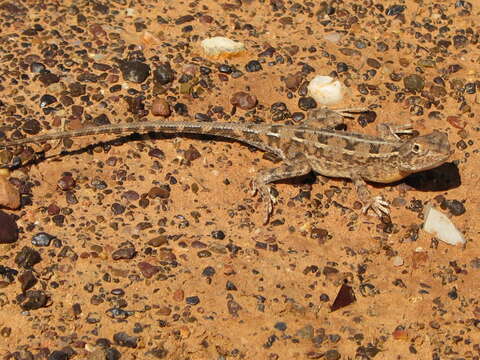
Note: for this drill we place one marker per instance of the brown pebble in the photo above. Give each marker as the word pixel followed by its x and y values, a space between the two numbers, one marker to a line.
pixel 293 81
pixel 9 195
pixel 147 269
pixel 244 100
pixel 178 295
pixel 160 107
pixel 8 229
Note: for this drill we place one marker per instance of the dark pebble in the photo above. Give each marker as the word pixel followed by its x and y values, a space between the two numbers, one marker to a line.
pixel 332 355
pixel 184 19
pixel 27 257
pixel 100 120
pixel 135 71
pixel 123 339
pixel 253 66
pixel 298 116
pixel 131 195
pixel 244 100
pixel 233 308
pixel 204 254
pixel 147 269
pixel 119 314
pixel 225 69
pixel 455 207
pixel 163 74
pixel 124 254
pixel 8 229
pixel 280 326
pixel 27 280
pixel 218 234
pixel 192 300
pixel 37 67
pixel 7 273
pixel 66 182
pixel 181 109
pixel 32 300
pixel 46 100
pixel 208 271
pixel 414 82
pixel 42 239
pixel 191 154
pixel 47 78
pixel 395 10
pixel 162 192
pixel 342 67
pixel 76 89
pixel 230 286
pixel 58 355
pixel 307 103
pixel 31 127
pixel 117 209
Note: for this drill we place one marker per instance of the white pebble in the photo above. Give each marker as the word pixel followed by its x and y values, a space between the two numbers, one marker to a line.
pixel 439 225
pixel 326 90
pixel 397 261
pixel 221 46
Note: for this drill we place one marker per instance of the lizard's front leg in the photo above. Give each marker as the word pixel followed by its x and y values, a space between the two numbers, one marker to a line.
pixel 377 204
pixel 389 131
pixel 284 171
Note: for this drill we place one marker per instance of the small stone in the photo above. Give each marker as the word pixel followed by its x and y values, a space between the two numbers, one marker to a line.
pixel 42 239
pixel 66 182
pixel 46 100
pixel 414 82
pixel 192 300
pixel 219 46
pixel 160 107
pixel 178 295
pixel 280 326
pixel 397 261
pixel 293 81
pixel 58 355
pixel 123 339
pixel 27 257
pixel 124 254
pixel 332 355
pixel 163 74
pixel 135 71
pixel 253 66
pixel 147 269
pixel 307 103
pixel 244 100
pixel 9 197
pixel 33 300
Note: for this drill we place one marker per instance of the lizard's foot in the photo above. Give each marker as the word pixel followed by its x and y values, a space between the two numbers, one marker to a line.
pixel 378 205
pixel 266 196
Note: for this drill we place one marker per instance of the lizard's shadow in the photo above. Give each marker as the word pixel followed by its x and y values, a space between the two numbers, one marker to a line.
pixel 441 178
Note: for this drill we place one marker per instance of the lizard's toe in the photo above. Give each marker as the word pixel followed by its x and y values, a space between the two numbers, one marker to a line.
pixel 378 205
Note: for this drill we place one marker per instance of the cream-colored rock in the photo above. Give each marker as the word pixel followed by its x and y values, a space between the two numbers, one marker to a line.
pixel 326 90
pixel 219 46
pixel 439 225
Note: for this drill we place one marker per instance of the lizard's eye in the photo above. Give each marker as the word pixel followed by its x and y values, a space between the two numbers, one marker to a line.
pixel 416 148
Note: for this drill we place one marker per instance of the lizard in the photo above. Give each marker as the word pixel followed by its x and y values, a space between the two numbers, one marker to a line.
pixel 314 144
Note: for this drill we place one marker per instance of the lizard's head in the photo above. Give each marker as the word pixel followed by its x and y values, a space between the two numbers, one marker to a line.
pixel 424 152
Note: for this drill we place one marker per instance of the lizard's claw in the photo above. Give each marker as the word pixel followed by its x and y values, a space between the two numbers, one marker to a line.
pixel 378 205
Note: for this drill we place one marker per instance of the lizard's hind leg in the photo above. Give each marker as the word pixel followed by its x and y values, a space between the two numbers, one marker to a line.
pixel 265 177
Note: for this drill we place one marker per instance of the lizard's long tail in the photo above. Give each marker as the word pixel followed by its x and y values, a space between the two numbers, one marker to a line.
pixel 248 133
